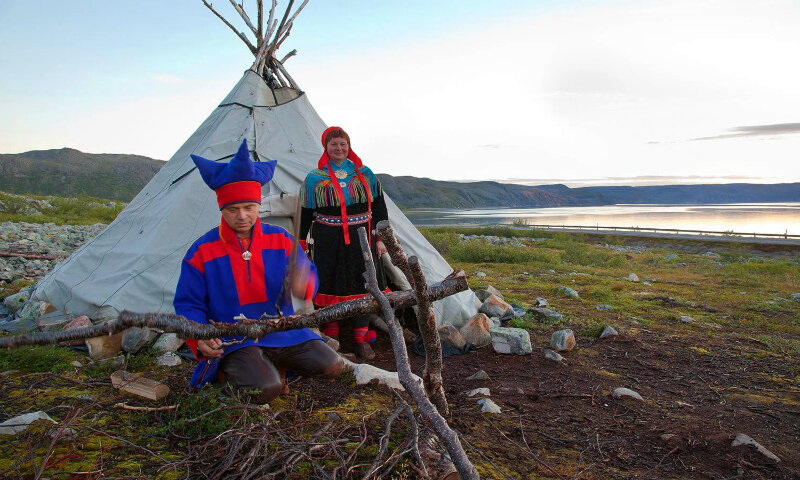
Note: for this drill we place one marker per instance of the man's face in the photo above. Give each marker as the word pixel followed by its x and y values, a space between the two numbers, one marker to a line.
pixel 241 217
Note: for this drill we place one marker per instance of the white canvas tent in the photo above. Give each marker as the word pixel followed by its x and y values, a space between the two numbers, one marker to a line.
pixel 134 263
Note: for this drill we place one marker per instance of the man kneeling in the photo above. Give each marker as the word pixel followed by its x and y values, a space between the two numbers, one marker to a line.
pixel 238 268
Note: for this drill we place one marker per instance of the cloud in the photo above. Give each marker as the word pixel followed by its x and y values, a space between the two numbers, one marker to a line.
pixel 757 131
pixel 491 145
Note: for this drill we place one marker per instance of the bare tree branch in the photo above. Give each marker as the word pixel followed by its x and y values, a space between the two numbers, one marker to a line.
pixel 448 436
pixel 240 10
pixel 260 32
pixel 246 327
pixel 239 34
pixel 288 56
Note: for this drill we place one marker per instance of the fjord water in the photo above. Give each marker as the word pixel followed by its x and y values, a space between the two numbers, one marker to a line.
pixel 777 218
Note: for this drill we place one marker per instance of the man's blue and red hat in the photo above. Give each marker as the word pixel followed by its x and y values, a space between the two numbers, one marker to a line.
pixel 239 180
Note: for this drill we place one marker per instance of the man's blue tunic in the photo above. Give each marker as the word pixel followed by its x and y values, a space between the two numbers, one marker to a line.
pixel 217 283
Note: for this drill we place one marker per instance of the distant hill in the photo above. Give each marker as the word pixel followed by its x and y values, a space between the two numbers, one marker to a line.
pixel 413 192
pixel 70 172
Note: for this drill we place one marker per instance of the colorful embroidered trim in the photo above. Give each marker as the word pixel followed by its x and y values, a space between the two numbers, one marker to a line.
pixel 333 220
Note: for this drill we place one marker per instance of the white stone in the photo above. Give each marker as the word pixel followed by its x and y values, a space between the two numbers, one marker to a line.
pixel 687 319
pixel 511 340
pixel 479 375
pixel 621 392
pixel 632 277
pixel 168 342
pixel 76 364
pixel 478 391
pixel 563 340
pixel 20 423
pixel 609 331
pixel 488 406
pixel 366 373
pixel 552 356
pixel 168 359
pixel 742 439
pixel 480 275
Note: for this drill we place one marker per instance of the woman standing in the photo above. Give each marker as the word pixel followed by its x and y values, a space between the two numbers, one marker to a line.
pixel 337 198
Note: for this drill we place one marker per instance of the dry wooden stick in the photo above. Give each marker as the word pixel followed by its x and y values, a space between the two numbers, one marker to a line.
pixel 125 406
pixel 426 319
pixel 448 436
pixel 239 34
pixel 260 32
pixel 7 253
pixel 249 328
pixel 240 10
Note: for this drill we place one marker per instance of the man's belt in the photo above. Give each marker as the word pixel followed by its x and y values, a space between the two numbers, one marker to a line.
pixel 335 220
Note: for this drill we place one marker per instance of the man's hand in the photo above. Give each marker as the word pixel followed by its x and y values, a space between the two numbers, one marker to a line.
pixel 298 279
pixel 380 248
pixel 210 348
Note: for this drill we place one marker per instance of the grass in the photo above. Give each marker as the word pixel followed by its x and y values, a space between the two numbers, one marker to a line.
pixel 80 210
pixel 37 359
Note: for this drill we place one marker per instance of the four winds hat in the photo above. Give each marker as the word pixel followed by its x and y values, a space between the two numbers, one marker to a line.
pixel 239 180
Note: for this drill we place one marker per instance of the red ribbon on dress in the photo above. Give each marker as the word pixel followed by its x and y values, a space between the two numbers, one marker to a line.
pixel 324 161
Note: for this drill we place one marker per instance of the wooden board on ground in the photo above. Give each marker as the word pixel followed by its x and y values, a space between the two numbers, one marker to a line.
pixel 137 385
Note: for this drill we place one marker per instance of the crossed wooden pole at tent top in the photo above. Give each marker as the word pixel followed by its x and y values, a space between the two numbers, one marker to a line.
pixel 269 36
pixel 430 398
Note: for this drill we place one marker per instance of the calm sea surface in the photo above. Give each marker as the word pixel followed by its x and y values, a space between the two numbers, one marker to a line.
pixel 740 217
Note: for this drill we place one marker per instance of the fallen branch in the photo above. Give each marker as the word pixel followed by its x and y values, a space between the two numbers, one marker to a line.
pixel 7 253
pixel 249 328
pixel 426 319
pixel 125 406
pixel 448 436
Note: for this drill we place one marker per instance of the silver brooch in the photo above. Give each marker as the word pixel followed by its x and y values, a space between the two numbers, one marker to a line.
pixel 247 255
pixel 341 174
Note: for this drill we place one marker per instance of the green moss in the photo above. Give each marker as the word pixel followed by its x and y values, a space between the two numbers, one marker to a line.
pixel 37 359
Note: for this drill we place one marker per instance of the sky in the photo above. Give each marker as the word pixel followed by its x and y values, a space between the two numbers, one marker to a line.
pixel 572 91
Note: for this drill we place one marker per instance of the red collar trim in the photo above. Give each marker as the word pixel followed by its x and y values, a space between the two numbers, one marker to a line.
pixel 227 234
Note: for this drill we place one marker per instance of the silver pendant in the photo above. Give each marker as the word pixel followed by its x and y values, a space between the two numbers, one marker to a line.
pixel 341 174
pixel 247 255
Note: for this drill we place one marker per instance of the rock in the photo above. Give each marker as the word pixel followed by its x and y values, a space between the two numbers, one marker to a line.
pixel 20 423
pixel 609 331
pixel 552 356
pixel 478 391
pixel 76 364
pixel 795 297
pixel 562 340
pixel 687 319
pixel 671 256
pixel 515 341
pixel 712 255
pixel 605 307
pixel 16 301
pixel 742 439
pixel 31 311
pixel 78 322
pixel 476 331
pixel 551 271
pixel 136 338
pixel 104 314
pixel 168 342
pixel 667 436
pixel 334 417
pixel 567 291
pixel 494 291
pixel 493 306
pixel 62 434
pixel 113 363
pixel 451 335
pixel 495 322
pixel 622 392
pixel 168 359
pixel 479 375
pixel 632 277
pixel 488 406
pixel 366 373
pixel 104 347
pixel 480 275
pixel 646 283
pixel 540 302
pixel 546 315
pixel 409 336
